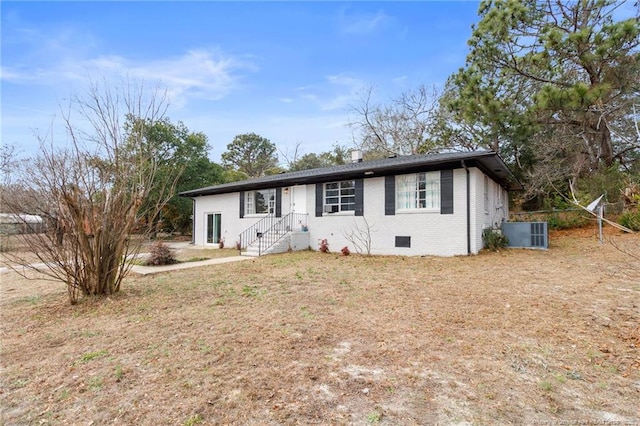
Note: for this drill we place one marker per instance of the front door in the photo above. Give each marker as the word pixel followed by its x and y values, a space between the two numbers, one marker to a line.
pixel 214 227
pixel 299 199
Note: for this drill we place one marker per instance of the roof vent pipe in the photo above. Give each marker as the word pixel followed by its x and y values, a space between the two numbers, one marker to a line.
pixel 356 156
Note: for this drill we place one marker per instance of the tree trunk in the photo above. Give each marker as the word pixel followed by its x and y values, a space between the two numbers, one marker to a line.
pixel 599 139
pixel 606 147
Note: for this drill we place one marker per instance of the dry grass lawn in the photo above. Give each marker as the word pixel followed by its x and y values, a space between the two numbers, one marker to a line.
pixel 514 337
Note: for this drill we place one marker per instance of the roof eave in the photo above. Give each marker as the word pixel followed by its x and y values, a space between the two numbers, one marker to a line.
pixel 489 162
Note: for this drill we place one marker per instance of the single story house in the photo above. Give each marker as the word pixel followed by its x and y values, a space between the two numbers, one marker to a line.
pixel 435 204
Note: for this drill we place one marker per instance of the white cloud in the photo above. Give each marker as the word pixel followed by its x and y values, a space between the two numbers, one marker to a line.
pixel 68 56
pixel 337 92
pixel 400 80
pixel 344 80
pixel 202 73
pixel 42 68
pixel 338 102
pixel 362 24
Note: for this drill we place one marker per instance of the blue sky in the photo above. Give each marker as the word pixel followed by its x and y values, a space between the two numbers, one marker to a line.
pixel 289 71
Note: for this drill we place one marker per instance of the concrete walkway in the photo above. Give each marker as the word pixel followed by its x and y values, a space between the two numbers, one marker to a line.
pixel 147 270
pixel 177 246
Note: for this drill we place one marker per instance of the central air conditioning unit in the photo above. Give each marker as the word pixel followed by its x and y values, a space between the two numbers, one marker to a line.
pixel 527 234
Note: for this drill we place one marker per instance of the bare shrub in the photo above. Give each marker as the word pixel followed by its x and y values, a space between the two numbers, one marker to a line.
pixel 360 236
pixel 160 254
pixel 91 191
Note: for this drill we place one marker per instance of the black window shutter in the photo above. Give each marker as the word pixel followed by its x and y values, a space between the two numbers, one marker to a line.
pixel 389 195
pixel 241 204
pixel 446 192
pixel 319 200
pixel 359 198
pixel 278 202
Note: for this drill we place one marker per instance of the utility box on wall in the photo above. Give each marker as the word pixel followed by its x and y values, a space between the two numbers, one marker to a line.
pixel 527 234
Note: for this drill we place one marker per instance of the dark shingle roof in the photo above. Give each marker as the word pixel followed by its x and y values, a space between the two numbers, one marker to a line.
pixel 488 161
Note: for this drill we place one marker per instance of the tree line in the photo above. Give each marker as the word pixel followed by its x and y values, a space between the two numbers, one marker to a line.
pixel 552 86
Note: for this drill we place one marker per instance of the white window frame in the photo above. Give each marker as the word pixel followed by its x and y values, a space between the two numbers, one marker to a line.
pixel 339 197
pixel 250 202
pixel 418 192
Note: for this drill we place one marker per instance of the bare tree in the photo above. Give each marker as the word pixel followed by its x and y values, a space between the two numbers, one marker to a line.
pixel 290 156
pixel 90 192
pixel 360 236
pixel 8 163
pixel 398 128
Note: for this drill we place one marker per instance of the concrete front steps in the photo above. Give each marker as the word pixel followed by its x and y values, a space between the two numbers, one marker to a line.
pixel 296 240
pixel 280 246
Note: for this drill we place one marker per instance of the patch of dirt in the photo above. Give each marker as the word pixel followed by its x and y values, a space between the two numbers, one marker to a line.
pixel 513 337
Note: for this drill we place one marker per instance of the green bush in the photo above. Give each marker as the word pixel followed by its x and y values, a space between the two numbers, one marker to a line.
pixel 630 219
pixel 609 181
pixel 555 219
pixel 494 239
pixel 566 220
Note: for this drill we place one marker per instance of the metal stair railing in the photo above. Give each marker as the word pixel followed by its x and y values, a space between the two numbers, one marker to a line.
pixel 269 230
pixel 252 233
pixel 271 236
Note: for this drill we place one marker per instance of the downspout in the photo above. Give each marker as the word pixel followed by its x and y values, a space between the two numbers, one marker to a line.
pixel 468 208
pixel 193 221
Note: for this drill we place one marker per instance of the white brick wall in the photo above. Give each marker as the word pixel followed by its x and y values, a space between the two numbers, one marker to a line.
pixel 431 233
pixel 229 206
pixel 496 210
